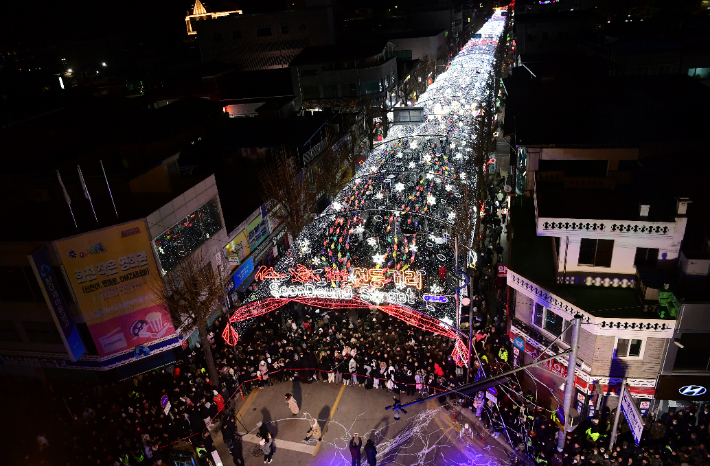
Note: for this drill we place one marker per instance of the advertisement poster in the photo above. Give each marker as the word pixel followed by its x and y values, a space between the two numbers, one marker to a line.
pixel 112 272
pixel 63 318
pixel 257 231
pixel 238 248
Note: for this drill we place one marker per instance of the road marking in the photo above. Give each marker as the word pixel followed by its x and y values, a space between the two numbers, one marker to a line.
pixel 431 405
pixel 285 444
pixel 250 399
pixel 332 412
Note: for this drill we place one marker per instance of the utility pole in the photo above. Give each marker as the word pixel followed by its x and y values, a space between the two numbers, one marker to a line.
pixel 569 386
pixel 612 437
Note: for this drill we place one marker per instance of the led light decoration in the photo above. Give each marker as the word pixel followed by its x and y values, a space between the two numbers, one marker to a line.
pixel 380 243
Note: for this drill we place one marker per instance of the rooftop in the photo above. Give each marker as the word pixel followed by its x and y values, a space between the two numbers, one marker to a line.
pixel 256 132
pixel 532 257
pixel 339 52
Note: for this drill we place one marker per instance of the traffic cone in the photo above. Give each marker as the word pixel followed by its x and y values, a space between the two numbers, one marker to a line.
pixel 241 390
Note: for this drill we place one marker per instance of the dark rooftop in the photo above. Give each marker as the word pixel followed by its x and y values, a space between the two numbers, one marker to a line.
pixel 413 34
pixel 256 132
pixel 604 112
pixel 339 52
pixel 532 257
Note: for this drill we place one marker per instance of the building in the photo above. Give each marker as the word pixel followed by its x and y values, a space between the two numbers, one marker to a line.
pixel 200 13
pixel 125 234
pixel 593 234
pixel 265 41
pixel 345 75
pixel 420 45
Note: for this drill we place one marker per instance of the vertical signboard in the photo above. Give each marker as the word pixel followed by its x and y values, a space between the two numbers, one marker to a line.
pixel 632 415
pixel 243 272
pixel 258 230
pixel 113 274
pixel 238 248
pixel 42 267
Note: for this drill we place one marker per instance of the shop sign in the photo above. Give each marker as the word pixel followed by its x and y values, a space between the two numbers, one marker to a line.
pixel 114 286
pixel 502 270
pixel 243 272
pixel 632 415
pixel 690 388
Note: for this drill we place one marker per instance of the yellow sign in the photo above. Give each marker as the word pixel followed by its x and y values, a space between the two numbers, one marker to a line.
pixel 112 272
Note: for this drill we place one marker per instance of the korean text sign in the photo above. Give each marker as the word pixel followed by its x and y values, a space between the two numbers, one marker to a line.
pixel 112 272
pixel 42 267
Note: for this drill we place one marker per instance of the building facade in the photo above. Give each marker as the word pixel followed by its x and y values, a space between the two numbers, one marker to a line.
pixel 265 41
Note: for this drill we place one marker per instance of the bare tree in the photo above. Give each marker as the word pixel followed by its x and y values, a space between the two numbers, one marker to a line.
pixel 191 292
pixel 283 182
pixel 330 169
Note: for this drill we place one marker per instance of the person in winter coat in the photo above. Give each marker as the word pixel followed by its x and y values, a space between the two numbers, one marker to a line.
pixel 263 374
pixel 371 453
pixel 219 401
pixel 355 445
pixel 438 371
pixel 352 369
pixel 292 405
pixel 265 445
pixel 314 431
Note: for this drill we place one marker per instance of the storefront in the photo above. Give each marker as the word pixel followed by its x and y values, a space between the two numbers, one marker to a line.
pixel 679 392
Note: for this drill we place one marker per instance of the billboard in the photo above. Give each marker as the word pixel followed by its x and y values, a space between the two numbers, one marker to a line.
pixel 258 230
pixel 238 248
pixel 63 318
pixel 112 272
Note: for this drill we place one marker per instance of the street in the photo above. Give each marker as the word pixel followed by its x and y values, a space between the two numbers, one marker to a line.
pixel 427 435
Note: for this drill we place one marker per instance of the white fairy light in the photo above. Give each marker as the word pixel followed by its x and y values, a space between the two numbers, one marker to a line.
pixel 411 165
pixel 399 187
pixel 435 288
pixel 378 259
pixel 431 200
pixel 371 241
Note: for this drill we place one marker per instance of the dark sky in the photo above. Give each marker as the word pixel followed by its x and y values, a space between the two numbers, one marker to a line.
pixel 68 20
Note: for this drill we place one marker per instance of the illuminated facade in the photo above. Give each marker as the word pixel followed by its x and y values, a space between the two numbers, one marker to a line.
pixel 199 12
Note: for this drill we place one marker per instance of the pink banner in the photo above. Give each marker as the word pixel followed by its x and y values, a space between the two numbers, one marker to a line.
pixel 128 331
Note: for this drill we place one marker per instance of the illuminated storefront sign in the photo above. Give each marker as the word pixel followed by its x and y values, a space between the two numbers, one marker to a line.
pixel 431 298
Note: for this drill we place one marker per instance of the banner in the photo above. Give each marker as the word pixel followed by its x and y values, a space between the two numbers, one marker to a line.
pixel 63 318
pixel 632 415
pixel 112 272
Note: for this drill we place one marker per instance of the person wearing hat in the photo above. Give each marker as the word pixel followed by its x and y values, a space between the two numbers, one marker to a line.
pixel 292 405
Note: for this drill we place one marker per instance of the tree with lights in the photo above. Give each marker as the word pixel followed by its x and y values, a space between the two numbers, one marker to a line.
pixel 191 292
pixel 286 184
pixel 330 170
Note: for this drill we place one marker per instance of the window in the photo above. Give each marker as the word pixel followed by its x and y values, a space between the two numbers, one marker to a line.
pixel 236 34
pixel 548 320
pixel 42 332
pixel 218 37
pixel 8 331
pixel 553 323
pixel 700 73
pixel 596 252
pixel 311 92
pixel 284 29
pixel 371 87
pixel 646 257
pixel 403 54
pixel 538 315
pixel 187 235
pixel 263 32
pixel 311 72
pixel 330 91
pixel 352 89
pixel 626 348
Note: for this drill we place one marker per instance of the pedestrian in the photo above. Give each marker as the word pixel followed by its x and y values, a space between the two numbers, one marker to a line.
pixel 265 445
pixel 292 405
pixel 355 445
pixel 371 453
pixel 314 431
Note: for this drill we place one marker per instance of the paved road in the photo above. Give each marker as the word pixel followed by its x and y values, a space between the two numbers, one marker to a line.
pixel 427 435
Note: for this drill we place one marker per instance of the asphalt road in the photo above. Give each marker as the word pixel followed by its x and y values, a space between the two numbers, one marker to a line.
pixel 427 435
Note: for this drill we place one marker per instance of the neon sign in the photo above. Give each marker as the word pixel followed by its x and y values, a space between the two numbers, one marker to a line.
pixel 432 298
pixel 361 277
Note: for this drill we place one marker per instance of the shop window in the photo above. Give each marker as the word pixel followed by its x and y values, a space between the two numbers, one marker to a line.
pixel 42 332
pixel 596 252
pixel 629 348
pixel 8 331
pixel 371 87
pixel 646 257
pixel 263 32
pixel 311 92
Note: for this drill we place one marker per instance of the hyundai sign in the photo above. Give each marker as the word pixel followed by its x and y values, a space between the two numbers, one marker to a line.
pixel 690 388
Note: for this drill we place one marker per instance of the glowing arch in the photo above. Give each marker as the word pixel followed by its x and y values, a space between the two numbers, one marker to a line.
pixel 403 313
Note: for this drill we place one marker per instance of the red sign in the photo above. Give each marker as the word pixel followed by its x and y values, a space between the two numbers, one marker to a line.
pixel 502 270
